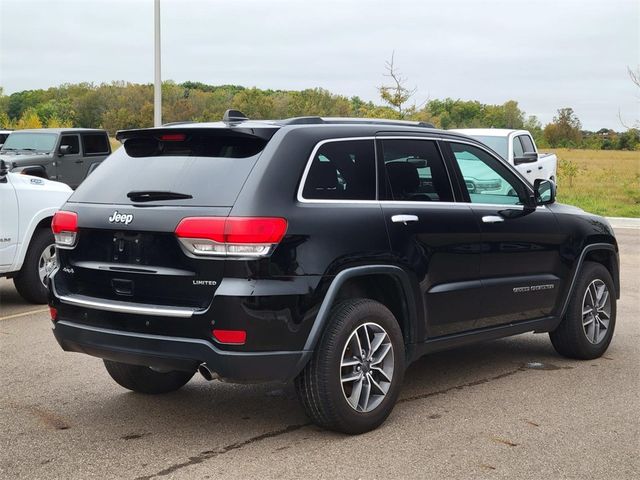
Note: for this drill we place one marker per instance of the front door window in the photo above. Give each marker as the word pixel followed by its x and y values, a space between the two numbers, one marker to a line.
pixel 486 179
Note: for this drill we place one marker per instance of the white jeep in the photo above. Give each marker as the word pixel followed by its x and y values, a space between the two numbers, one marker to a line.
pixel 27 248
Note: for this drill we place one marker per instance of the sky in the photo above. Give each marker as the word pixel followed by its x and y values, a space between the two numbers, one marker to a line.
pixel 546 54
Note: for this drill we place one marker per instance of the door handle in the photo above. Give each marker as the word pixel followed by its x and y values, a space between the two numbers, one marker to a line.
pixel 528 171
pixel 79 161
pixel 540 167
pixel 404 218
pixel 492 219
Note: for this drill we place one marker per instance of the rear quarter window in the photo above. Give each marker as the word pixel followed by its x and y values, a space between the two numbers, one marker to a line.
pixel 342 170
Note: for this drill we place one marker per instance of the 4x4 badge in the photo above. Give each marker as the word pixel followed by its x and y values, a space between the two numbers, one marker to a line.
pixel 121 218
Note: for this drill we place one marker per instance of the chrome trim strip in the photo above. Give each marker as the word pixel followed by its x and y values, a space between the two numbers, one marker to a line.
pixel 127 307
pixel 301 199
pixel 299 196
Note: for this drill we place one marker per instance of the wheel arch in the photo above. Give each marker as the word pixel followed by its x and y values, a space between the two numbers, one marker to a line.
pixel 33 170
pixel 370 281
pixel 41 220
pixel 603 253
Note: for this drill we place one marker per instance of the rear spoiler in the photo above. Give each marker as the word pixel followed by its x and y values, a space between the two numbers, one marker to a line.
pixel 264 132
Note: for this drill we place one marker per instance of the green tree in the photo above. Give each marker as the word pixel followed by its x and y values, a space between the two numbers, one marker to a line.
pixel 254 103
pixel 55 122
pixel 565 130
pixel 513 116
pixel 5 121
pixel 29 119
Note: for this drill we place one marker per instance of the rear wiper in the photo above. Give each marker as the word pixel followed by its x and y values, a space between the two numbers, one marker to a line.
pixel 155 195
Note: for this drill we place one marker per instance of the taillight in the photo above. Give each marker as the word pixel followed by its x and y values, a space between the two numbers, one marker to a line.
pixel 65 228
pixel 231 236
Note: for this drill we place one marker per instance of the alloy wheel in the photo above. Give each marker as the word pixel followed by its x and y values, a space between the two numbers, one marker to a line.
pixel 47 263
pixel 596 311
pixel 366 368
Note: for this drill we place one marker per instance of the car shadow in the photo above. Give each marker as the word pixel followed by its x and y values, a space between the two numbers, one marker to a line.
pixel 231 410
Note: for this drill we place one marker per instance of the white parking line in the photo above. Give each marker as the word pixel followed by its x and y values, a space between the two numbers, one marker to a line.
pixel 24 314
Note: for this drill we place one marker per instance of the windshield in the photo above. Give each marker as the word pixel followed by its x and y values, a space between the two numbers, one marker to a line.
pixel 497 144
pixel 40 142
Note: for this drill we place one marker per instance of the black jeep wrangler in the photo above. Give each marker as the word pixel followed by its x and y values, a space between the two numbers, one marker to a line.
pixel 330 251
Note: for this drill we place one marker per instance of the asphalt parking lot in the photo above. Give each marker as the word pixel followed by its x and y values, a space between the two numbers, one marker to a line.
pixel 505 409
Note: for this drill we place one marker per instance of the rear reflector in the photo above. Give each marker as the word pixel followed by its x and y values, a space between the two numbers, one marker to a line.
pixel 230 337
pixel 231 236
pixel 54 313
pixel 65 227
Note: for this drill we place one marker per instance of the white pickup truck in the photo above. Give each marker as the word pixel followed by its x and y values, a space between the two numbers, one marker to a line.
pixel 519 149
pixel 27 249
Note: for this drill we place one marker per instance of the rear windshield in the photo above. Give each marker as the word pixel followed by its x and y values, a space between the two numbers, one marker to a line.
pixel 178 169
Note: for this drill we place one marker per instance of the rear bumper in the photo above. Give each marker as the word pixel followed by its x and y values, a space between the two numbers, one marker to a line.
pixel 177 353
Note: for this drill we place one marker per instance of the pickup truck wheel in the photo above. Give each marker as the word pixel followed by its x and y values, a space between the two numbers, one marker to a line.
pixel 145 380
pixel 352 382
pixel 40 261
pixel 587 328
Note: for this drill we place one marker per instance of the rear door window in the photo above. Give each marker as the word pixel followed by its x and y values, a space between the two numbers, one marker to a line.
pixel 95 144
pixel 518 151
pixel 415 171
pixel 342 170
pixel 527 144
pixel 204 169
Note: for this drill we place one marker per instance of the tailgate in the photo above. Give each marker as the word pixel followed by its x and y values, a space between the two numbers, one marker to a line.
pixel 131 254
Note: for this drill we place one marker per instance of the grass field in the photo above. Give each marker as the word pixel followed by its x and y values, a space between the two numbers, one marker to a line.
pixel 607 182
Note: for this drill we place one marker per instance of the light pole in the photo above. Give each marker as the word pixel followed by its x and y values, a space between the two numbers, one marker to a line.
pixel 157 85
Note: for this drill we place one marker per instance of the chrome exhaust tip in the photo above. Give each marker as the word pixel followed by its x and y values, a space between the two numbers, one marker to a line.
pixel 206 372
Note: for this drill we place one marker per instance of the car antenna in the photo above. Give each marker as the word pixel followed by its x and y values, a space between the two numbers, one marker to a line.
pixel 234 116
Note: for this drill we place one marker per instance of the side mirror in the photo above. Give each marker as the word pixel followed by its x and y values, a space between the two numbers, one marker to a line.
pixel 527 157
pixel 64 149
pixel 544 191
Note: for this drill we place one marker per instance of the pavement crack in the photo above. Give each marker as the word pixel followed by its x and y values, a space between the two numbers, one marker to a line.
pixel 208 454
pixel 504 441
pixel 462 386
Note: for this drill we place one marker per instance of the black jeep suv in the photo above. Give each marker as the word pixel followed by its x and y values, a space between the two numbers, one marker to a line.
pixel 329 251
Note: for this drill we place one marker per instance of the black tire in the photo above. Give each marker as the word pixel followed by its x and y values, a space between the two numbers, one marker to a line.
pixel 571 339
pixel 28 282
pixel 319 386
pixel 145 380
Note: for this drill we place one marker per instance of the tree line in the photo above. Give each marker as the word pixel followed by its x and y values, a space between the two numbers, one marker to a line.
pixel 120 105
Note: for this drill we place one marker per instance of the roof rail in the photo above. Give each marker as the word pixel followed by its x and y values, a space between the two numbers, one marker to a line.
pixel 352 120
pixel 303 121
